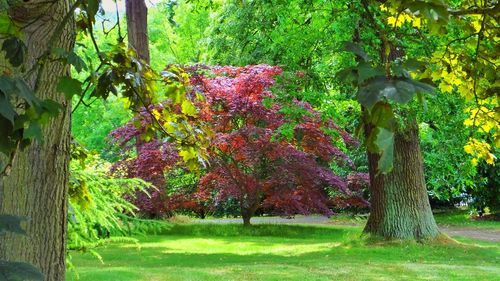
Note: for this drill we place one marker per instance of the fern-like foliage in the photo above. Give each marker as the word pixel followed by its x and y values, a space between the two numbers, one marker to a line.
pixel 97 205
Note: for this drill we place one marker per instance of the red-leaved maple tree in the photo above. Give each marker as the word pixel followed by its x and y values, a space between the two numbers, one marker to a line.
pixel 153 158
pixel 250 161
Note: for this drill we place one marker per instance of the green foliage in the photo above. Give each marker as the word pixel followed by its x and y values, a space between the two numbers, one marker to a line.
pixel 181 180
pixel 97 203
pixel 19 127
pixel 100 118
pixel 459 40
pixel 448 170
pixel 118 72
pixel 15 51
pixel 384 142
pixel 485 194
pixel 184 38
pixel 136 226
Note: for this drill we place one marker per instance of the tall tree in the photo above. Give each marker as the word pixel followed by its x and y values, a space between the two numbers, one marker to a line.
pixel 400 206
pixel 36 186
pixel 35 84
pixel 137 26
pixel 251 163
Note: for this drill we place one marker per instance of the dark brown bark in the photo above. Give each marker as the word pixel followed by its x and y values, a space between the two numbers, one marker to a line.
pixel 137 26
pixel 246 218
pixel 138 39
pixel 37 185
pixel 248 207
pixel 400 206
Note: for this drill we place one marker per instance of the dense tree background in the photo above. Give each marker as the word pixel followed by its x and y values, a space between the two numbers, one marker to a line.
pixel 416 82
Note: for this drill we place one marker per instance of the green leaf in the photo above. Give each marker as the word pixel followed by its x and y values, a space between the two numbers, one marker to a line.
pixel 404 92
pixel 347 74
pixel 51 107
pixel 400 90
pixel 355 49
pixel 413 64
pixel 188 108
pixel 11 223
pixel 7 85
pixel 92 8
pixel 366 71
pixel 421 87
pixel 33 132
pixel 7 26
pixel 371 93
pixel 19 271
pixel 69 86
pixel 187 153
pixel 382 115
pixel 24 91
pixel 77 62
pixel 6 108
pixel 385 145
pixel 7 145
pixel 15 51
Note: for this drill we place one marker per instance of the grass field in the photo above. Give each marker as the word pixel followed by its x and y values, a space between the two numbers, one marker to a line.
pixel 284 252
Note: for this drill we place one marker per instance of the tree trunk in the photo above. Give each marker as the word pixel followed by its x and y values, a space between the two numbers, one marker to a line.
pixel 246 215
pixel 400 206
pixel 37 185
pixel 137 26
pixel 138 39
pixel 248 207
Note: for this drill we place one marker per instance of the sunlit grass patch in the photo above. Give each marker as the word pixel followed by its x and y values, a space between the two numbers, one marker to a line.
pixel 277 252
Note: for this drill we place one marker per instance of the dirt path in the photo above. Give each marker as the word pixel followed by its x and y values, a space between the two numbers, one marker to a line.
pixel 271 220
pixel 475 233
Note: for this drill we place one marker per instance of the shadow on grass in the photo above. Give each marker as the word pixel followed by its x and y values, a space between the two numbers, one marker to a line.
pixel 282 252
pixel 210 251
pixel 271 230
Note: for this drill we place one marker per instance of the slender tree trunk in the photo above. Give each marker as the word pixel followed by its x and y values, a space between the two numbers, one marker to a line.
pixel 246 215
pixel 138 39
pixel 248 207
pixel 137 26
pixel 37 185
pixel 400 206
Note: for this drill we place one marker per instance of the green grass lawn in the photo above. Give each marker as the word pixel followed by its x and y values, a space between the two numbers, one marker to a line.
pixel 284 252
pixel 461 218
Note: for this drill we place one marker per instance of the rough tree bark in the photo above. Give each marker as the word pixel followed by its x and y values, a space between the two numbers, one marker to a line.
pixel 37 185
pixel 400 206
pixel 137 26
pixel 247 216
pixel 248 205
pixel 138 39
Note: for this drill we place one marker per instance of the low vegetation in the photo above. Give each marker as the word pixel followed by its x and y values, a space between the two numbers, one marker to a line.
pixel 278 252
